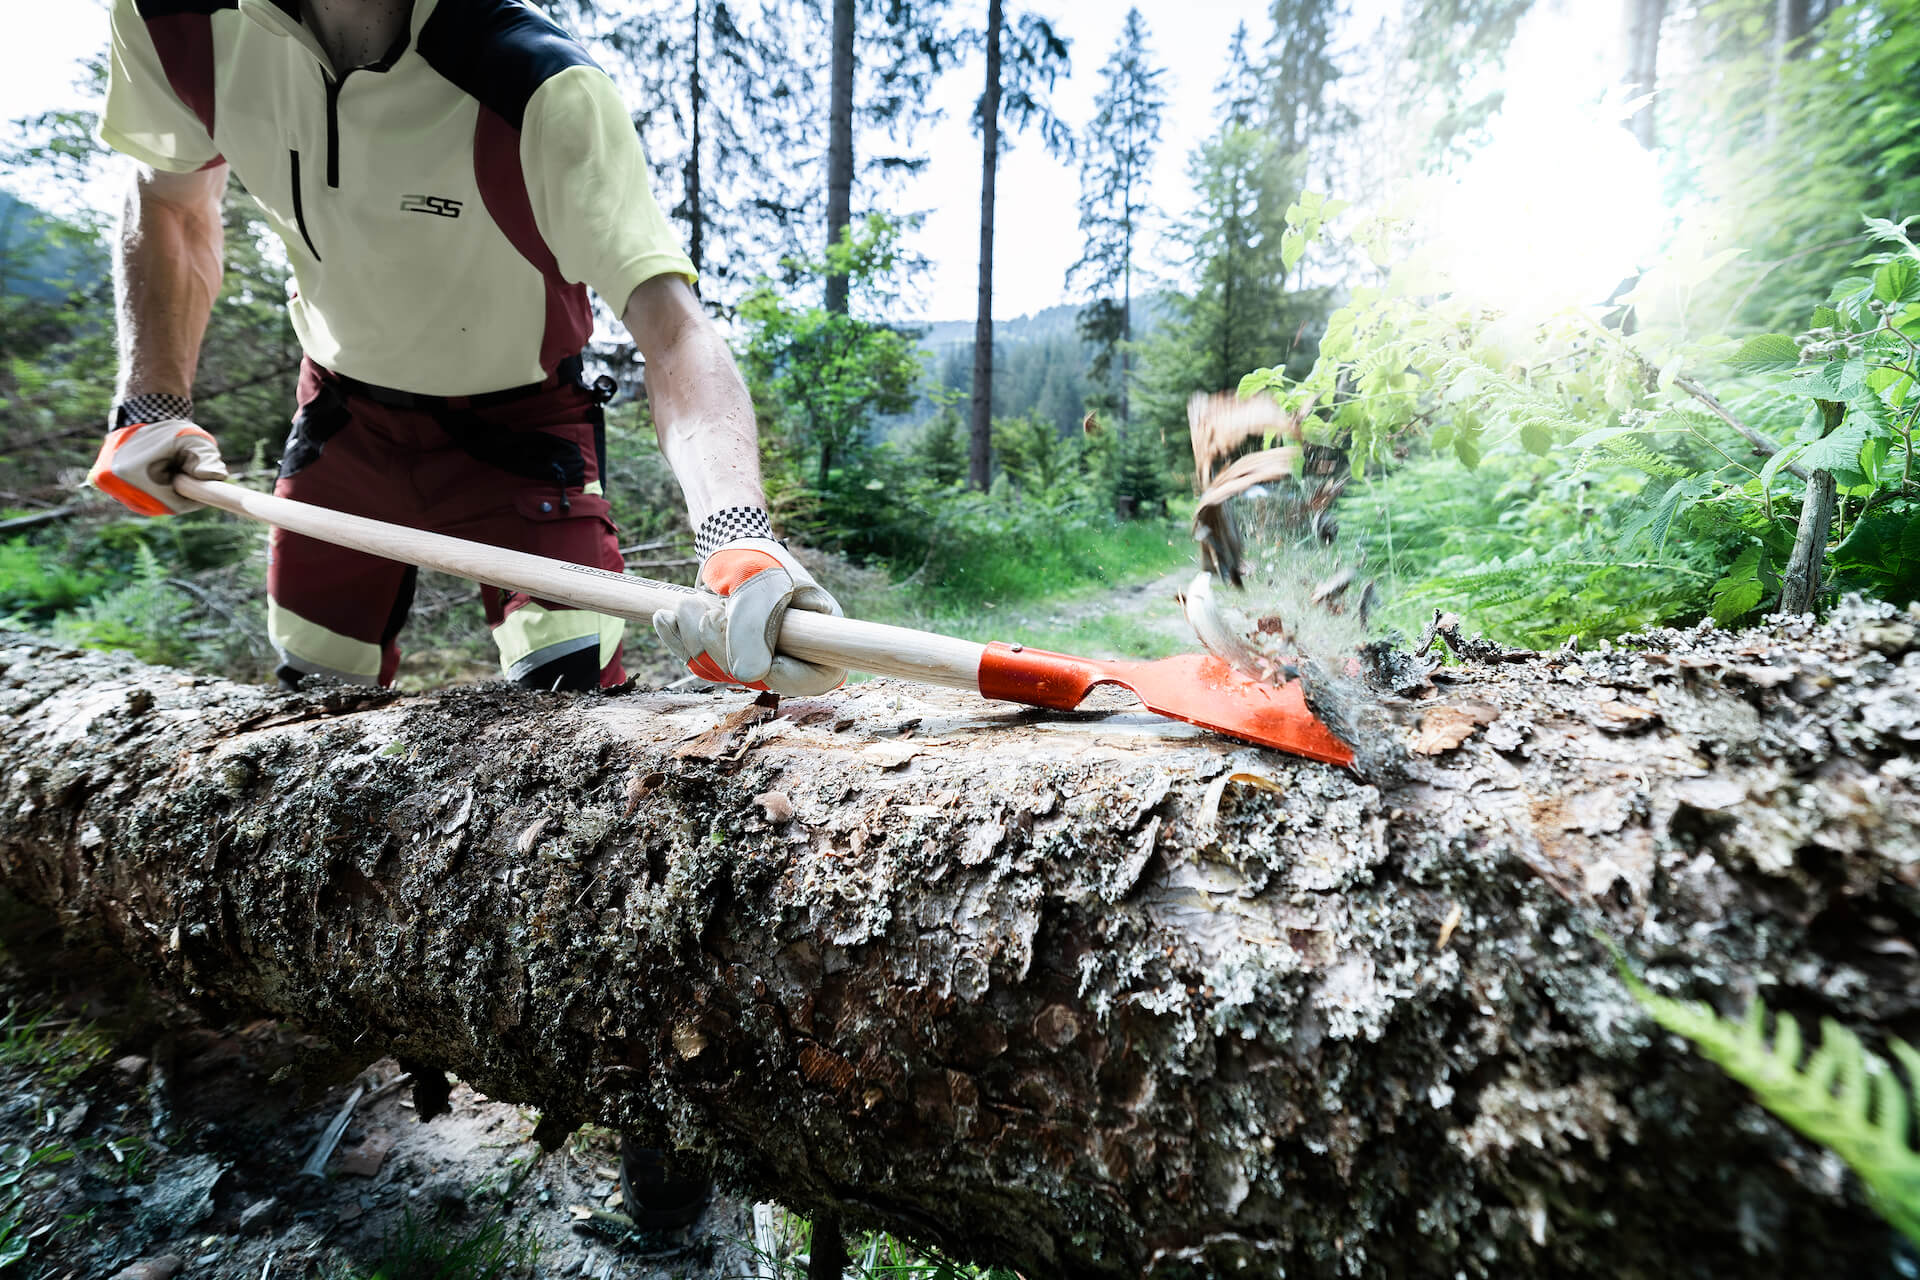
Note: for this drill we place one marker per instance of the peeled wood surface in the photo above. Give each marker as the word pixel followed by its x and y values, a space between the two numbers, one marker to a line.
pixel 1006 983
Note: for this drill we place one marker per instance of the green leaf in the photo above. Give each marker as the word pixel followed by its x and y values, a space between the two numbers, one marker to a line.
pixel 1536 438
pixel 1292 245
pixel 1864 1121
pixel 1824 317
pixel 1840 450
pixel 1467 449
pixel 1898 281
pixel 1835 380
pixel 1595 438
pixel 1656 523
pixel 1776 462
pixel 1766 353
pixel 1741 591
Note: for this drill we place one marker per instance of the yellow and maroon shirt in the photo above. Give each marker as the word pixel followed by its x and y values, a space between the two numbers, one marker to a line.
pixel 443 209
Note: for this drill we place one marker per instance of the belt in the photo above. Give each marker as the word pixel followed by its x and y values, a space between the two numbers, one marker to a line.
pixel 568 372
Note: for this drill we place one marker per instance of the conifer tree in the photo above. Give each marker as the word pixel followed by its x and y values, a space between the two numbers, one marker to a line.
pixel 885 55
pixel 1116 157
pixel 1233 310
pixel 1024 58
pixel 722 101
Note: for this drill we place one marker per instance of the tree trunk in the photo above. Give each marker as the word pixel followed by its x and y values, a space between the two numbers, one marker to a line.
pixel 1644 19
pixel 980 445
pixel 840 144
pixel 696 224
pixel 1068 993
pixel 1800 580
pixel 1792 20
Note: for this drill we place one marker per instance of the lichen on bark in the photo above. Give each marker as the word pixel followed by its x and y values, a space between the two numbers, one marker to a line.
pixel 1083 995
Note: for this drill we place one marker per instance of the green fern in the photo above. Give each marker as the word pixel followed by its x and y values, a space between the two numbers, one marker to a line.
pixel 1846 1097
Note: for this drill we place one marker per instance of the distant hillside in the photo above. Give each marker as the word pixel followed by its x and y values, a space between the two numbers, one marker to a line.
pixel 34 265
pixel 1040 362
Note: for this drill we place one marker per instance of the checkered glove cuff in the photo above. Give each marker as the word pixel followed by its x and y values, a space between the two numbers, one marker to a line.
pixel 156 407
pixel 730 525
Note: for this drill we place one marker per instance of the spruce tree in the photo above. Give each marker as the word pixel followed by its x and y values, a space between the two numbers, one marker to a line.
pixel 1115 158
pixel 884 57
pixel 1024 58
pixel 724 103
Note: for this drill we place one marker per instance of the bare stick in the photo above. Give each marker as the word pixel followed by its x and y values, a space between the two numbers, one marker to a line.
pixel 316 1165
pixel 37 518
pixel 1758 439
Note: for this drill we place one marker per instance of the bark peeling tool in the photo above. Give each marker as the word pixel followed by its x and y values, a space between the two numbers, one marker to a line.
pixel 1198 688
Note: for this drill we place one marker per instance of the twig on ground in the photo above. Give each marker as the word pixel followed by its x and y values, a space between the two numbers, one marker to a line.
pixel 316 1165
pixel 766 1244
pixel 18 523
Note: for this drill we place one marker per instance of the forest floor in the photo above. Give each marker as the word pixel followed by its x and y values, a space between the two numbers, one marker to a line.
pixel 135 1135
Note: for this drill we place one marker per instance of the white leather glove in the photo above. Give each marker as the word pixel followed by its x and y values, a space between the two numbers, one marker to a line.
pixel 727 632
pixel 138 462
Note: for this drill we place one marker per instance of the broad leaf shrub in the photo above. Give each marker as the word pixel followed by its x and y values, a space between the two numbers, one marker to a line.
pixel 1576 473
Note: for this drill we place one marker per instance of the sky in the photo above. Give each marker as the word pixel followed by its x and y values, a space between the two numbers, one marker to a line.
pixel 1037 233
pixel 1538 179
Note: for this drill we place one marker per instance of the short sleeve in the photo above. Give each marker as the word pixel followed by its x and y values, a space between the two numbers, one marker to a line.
pixel 587 180
pixel 144 116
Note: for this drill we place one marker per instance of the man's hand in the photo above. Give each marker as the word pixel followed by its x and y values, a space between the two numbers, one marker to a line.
pixel 728 632
pixel 138 462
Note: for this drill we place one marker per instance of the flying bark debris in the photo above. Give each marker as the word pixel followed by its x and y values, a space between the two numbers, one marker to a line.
pixel 1027 998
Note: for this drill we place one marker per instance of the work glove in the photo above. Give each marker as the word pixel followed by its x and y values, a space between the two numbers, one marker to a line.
pixel 727 632
pixel 138 462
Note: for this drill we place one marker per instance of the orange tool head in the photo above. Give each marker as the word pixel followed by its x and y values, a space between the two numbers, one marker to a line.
pixel 1198 688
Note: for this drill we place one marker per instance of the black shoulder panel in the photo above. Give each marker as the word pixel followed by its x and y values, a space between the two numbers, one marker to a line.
pixel 151 9
pixel 500 51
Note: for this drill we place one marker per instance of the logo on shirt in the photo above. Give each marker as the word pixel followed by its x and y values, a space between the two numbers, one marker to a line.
pixel 437 205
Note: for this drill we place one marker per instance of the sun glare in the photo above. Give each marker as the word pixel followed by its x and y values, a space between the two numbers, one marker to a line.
pixel 1561 204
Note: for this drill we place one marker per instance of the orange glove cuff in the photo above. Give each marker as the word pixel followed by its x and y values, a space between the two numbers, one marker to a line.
pixel 725 571
pixel 707 669
pixel 102 478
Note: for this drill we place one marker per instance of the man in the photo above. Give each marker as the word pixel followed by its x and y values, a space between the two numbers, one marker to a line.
pixel 447 177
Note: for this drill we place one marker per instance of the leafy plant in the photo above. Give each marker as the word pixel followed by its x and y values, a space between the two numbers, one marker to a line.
pixel 1845 1096
pixel 17 1164
pixel 1654 499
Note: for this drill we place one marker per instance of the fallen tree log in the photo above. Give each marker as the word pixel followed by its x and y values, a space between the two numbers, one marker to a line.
pixel 1088 996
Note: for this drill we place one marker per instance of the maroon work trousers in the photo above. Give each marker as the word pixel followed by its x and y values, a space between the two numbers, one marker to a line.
pixel 522 470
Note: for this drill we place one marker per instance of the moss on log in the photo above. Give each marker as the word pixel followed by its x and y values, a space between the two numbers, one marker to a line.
pixel 1088 996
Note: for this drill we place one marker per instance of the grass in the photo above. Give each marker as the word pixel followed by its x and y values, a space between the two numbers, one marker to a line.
pixel 426 1249
pixel 57 1053
pixel 874 1256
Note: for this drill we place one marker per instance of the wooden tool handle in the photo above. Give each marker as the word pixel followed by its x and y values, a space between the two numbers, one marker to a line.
pixel 812 637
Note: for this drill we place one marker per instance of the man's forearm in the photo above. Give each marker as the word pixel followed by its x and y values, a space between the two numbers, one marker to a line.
pixel 167 266
pixel 701 409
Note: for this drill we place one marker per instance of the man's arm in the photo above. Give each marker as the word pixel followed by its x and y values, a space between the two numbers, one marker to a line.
pixel 701 409
pixel 705 421
pixel 166 273
pixel 167 267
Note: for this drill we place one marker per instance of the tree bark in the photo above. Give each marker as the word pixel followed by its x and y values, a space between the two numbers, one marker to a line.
pixel 980 443
pixel 1800 580
pixel 840 144
pixel 1070 994
pixel 696 219
pixel 1643 21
